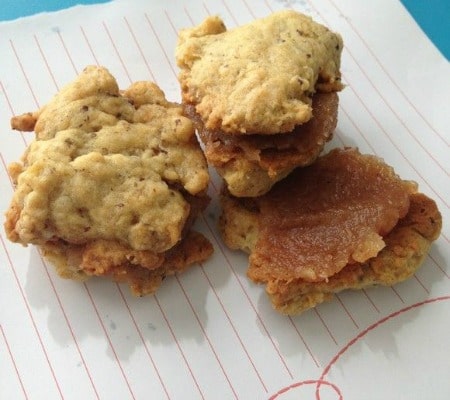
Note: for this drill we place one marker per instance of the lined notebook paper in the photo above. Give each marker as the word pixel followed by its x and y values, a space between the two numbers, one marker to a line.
pixel 210 333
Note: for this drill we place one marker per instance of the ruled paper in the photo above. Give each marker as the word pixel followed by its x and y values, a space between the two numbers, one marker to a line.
pixel 210 333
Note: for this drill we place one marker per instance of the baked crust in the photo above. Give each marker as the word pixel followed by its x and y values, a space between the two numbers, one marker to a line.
pixel 143 270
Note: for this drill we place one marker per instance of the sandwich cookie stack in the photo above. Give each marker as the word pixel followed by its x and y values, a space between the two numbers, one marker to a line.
pixel 263 96
pixel 111 185
pixel 264 100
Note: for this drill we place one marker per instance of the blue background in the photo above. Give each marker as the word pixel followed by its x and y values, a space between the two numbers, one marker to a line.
pixel 12 9
pixel 433 16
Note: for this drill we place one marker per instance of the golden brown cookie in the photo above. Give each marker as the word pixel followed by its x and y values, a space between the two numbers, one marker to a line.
pixel 113 181
pixel 345 222
pixel 252 164
pixel 258 78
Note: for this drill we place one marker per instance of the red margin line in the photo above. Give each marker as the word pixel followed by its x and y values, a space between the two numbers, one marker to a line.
pixel 13 361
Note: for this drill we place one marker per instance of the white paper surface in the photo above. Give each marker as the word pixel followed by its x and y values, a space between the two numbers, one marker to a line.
pixel 210 333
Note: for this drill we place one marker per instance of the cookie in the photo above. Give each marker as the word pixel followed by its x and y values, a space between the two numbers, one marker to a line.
pixel 258 78
pixel 345 222
pixel 113 182
pixel 252 164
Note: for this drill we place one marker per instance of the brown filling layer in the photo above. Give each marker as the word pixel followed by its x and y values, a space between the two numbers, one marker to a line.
pixel 273 152
pixel 325 216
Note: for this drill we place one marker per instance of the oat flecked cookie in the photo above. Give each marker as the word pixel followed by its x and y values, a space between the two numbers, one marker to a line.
pixel 258 78
pixel 112 183
pixel 346 222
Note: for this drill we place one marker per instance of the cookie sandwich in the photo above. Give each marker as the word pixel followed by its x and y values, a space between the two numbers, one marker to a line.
pixel 345 222
pixel 263 96
pixel 112 183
